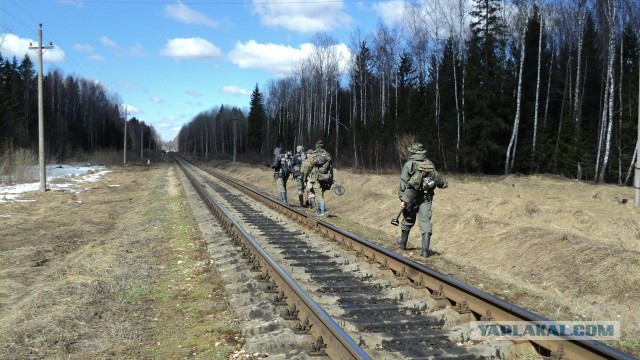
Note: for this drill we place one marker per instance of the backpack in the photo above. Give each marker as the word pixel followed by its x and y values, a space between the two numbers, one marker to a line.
pixel 322 160
pixel 286 164
pixel 298 158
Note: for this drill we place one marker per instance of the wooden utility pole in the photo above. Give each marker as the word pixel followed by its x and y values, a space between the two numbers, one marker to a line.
pixel 126 115
pixel 141 141
pixel 636 181
pixel 43 172
pixel 234 139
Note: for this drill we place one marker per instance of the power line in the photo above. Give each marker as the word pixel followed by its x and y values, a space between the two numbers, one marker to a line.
pixel 71 60
pixel 17 19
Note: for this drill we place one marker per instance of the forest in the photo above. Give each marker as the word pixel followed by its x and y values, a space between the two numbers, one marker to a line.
pixel 490 87
pixel 81 115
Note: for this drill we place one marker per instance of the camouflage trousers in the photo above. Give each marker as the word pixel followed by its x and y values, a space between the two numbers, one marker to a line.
pixel 300 185
pixel 318 191
pixel 422 213
pixel 281 185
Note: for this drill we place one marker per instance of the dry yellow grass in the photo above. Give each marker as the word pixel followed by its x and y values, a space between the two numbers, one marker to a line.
pixel 565 249
pixel 114 272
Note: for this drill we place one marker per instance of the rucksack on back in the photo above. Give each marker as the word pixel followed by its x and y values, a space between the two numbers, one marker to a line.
pixel 286 165
pixel 319 159
pixel 325 172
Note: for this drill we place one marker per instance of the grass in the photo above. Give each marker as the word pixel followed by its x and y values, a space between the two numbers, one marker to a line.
pixel 125 277
pixel 16 166
pixel 186 288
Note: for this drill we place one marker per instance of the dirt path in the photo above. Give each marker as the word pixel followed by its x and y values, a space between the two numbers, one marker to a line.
pixel 117 270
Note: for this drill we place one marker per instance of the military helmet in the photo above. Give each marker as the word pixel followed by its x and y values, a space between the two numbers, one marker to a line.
pixel 416 148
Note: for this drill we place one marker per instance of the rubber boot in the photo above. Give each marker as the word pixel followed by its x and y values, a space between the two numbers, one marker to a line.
pixel 402 239
pixel 320 209
pixel 283 196
pixel 426 238
pixel 301 199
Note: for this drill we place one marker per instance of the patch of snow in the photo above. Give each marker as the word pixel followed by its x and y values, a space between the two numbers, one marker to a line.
pixel 66 177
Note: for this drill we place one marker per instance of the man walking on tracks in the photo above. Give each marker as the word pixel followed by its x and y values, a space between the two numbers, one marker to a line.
pixel 320 174
pixel 281 164
pixel 307 164
pixel 418 181
pixel 298 159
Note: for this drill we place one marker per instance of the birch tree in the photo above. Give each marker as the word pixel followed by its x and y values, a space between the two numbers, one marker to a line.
pixel 604 140
pixel 520 24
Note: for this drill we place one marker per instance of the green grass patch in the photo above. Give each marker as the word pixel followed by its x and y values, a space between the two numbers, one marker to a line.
pixel 189 323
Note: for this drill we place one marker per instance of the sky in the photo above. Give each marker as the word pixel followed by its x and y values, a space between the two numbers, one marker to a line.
pixel 169 60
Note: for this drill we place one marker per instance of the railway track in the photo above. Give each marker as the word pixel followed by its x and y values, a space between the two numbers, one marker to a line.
pixel 354 299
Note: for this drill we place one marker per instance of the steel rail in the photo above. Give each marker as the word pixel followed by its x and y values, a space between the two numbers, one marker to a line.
pixel 330 338
pixel 462 297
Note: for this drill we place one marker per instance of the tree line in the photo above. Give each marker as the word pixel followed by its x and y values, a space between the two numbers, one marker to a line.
pixel 493 88
pixel 80 115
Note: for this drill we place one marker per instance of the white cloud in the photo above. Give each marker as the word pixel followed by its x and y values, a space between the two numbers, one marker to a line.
pixel 193 93
pixel 131 110
pixel 185 14
pixel 156 100
pixel 190 48
pixel 278 59
pixel 95 57
pixel 136 50
pixel 234 90
pixel 304 17
pixel 168 122
pixel 274 58
pixel 13 45
pixel 391 12
pixel 108 42
pixel 194 103
pixel 83 48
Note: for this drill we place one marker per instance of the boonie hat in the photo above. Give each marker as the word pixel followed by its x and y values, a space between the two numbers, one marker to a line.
pixel 416 148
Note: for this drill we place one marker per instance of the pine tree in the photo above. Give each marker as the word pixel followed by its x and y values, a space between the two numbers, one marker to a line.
pixel 485 128
pixel 256 120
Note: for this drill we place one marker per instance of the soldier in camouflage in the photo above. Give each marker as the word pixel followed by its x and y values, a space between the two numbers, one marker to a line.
pixel 298 159
pixel 313 175
pixel 418 181
pixel 307 164
pixel 280 165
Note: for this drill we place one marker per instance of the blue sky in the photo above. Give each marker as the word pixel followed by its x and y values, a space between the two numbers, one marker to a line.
pixel 170 60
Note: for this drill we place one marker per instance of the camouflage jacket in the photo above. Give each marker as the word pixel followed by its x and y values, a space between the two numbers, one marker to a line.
pixel 310 172
pixel 307 164
pixel 415 174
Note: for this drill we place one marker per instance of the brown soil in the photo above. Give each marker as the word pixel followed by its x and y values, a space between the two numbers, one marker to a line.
pixel 567 250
